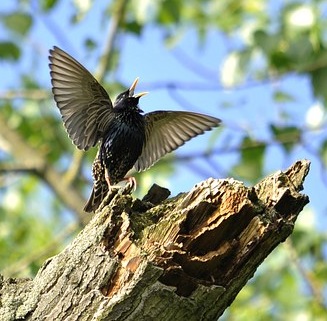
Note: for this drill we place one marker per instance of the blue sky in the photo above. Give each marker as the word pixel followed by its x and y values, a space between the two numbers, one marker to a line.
pixel 146 57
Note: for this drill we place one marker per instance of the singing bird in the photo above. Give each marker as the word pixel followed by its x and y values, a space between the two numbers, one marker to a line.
pixel 127 138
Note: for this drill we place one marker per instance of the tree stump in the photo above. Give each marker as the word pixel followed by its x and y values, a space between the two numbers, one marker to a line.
pixel 184 258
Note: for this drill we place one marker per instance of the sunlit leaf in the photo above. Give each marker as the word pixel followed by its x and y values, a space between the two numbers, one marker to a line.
pixel 232 73
pixel 315 116
pixel 300 17
pixel 18 22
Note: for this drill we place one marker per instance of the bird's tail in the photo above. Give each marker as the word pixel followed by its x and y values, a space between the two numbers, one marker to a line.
pixel 99 192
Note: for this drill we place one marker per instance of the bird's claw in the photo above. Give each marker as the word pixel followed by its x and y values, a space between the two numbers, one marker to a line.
pixel 131 185
pixel 132 182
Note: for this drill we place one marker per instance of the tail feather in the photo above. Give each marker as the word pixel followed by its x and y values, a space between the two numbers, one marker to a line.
pixel 100 186
pixel 99 192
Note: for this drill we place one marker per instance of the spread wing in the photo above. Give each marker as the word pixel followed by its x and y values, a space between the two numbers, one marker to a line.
pixel 85 106
pixel 167 130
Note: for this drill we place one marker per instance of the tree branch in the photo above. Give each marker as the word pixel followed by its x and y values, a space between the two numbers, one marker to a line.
pixel 116 19
pixel 184 259
pixel 33 94
pixel 33 160
pixel 314 286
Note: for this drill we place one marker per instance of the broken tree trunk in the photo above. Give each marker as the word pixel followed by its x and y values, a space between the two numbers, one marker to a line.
pixel 185 258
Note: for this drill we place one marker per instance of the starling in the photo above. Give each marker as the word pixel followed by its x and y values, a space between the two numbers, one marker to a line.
pixel 127 138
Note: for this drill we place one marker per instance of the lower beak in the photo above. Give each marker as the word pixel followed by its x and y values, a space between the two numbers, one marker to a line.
pixel 139 95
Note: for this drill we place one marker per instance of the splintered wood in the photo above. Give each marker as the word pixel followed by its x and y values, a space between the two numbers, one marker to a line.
pixel 214 232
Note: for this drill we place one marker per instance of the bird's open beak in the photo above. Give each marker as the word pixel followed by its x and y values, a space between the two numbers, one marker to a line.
pixel 132 89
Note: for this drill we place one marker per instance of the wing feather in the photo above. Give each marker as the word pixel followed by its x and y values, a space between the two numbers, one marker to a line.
pixel 85 106
pixel 167 130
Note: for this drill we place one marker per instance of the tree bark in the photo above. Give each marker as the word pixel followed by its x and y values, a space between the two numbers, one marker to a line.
pixel 184 258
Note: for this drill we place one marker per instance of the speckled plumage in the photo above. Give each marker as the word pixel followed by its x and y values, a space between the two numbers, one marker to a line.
pixel 123 141
pixel 127 138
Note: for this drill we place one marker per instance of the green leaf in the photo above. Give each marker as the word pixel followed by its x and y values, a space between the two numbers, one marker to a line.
pixel 9 51
pixel 267 42
pixel 300 50
pixel 323 152
pixel 319 82
pixel 170 12
pixel 280 61
pixel 90 44
pixel 282 97
pixel 252 159
pixel 46 5
pixel 133 27
pixel 29 82
pixel 18 22
pixel 288 136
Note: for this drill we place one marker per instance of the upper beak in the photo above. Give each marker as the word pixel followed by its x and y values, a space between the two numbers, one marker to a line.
pixel 132 89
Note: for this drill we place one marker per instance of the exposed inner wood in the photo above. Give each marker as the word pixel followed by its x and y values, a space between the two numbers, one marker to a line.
pixel 222 225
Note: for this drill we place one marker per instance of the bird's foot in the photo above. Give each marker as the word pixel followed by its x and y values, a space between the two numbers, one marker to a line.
pixel 131 181
pixel 129 187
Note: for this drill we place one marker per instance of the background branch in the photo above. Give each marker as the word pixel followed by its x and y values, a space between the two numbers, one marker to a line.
pixel 33 94
pixel 31 158
pixel 313 285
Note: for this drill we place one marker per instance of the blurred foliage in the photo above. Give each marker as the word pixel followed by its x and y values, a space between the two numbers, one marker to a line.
pixel 274 40
pixel 251 163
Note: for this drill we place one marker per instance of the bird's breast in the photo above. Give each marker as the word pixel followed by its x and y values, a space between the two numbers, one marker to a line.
pixel 122 145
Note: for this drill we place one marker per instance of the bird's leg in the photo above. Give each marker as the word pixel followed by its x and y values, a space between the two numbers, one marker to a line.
pixel 107 180
pixel 130 180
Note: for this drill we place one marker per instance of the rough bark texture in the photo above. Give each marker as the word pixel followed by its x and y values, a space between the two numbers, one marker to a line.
pixel 185 258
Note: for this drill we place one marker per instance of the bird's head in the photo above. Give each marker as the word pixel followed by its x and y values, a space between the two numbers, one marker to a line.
pixel 128 98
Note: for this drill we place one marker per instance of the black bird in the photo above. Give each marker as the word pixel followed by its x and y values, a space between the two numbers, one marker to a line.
pixel 127 138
